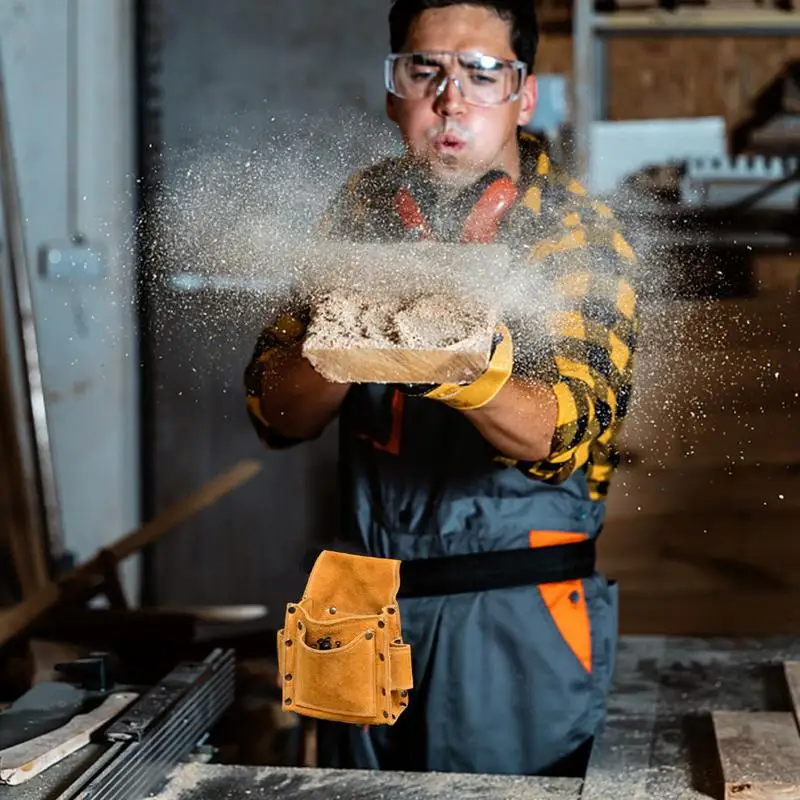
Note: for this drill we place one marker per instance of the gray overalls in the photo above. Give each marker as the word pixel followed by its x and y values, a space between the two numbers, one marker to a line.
pixel 498 687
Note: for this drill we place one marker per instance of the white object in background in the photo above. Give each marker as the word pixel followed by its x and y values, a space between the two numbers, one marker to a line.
pixel 552 106
pixel 620 149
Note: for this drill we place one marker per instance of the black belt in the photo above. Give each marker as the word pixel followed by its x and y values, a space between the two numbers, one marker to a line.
pixel 497 569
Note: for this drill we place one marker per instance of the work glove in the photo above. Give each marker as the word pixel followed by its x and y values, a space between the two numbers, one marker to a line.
pixel 483 389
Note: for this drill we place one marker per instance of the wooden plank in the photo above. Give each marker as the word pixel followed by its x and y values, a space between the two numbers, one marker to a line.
pixel 757 550
pixel 86 579
pixel 777 272
pixel 19 489
pixel 427 339
pixel 709 612
pixel 714 325
pixel 24 761
pixel 760 754
pixel 791 671
pixel 704 438
pixel 676 376
pixel 639 491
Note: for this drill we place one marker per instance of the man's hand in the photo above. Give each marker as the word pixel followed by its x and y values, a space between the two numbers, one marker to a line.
pixel 296 401
pixel 517 417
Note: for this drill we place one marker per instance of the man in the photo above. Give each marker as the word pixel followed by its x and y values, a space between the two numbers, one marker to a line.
pixel 512 657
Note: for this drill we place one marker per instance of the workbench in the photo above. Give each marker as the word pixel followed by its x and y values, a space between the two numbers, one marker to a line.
pixel 658 741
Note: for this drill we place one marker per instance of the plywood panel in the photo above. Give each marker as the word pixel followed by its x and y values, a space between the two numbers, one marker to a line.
pixel 709 612
pixel 638 492
pixel 682 76
pixel 696 548
pixel 694 76
pixel 554 55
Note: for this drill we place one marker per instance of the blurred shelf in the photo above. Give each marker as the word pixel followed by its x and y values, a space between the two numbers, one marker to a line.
pixel 697 22
pixel 593 29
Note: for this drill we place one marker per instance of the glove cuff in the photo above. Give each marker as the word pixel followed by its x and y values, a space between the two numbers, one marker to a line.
pixel 484 389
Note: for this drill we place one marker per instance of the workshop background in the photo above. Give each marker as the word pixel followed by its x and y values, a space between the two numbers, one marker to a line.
pixel 111 102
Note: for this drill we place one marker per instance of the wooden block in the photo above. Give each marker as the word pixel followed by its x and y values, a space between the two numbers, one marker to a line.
pixel 428 339
pixel 759 753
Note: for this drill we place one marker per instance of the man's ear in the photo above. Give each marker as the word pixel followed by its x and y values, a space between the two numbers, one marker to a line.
pixel 528 96
pixel 391 108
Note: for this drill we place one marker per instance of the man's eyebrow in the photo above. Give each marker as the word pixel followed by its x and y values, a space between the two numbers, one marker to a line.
pixel 427 58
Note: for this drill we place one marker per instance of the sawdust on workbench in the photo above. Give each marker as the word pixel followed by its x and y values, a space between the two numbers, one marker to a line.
pixel 230 782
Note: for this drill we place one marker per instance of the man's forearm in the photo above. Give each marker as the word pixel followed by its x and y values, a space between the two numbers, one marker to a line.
pixel 520 421
pixel 296 400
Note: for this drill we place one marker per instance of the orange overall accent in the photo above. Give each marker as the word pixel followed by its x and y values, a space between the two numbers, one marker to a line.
pixel 392 444
pixel 566 601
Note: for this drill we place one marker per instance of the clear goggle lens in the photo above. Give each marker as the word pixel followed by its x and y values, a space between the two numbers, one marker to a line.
pixel 482 80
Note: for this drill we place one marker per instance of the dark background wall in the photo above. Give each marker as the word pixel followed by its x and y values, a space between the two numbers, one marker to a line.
pixel 232 78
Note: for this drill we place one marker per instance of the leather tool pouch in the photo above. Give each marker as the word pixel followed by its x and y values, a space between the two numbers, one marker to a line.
pixel 340 652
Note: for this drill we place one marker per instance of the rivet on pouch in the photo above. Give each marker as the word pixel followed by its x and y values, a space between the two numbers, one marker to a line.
pixel 338 644
pixel 382 657
pixel 299 626
pixel 381 624
pixel 331 610
pixel 383 692
pixel 288 642
pixel 288 678
pixel 288 701
pixel 292 609
pixel 391 610
pixel 368 635
pixel 386 714
pixel 404 693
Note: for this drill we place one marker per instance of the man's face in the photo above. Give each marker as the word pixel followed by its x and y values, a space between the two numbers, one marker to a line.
pixel 460 142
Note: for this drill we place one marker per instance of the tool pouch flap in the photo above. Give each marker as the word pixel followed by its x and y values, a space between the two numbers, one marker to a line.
pixel 340 652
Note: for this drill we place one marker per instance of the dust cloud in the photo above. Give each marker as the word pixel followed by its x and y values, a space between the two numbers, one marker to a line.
pixel 236 234
pixel 229 222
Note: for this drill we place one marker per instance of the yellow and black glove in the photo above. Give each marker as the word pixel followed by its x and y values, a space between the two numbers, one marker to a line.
pixel 482 390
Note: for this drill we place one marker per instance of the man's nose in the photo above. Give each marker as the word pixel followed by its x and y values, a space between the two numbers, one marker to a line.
pixel 449 100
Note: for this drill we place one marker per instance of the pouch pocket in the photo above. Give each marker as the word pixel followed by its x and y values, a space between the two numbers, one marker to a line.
pixel 340 682
pixel 401 673
pixel 333 633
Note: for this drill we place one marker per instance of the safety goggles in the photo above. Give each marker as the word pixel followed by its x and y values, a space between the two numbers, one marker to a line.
pixel 482 80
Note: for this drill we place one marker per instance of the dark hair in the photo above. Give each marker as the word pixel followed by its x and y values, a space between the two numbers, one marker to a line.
pixel 521 14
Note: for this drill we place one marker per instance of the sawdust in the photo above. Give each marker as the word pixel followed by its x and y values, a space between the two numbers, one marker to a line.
pixel 224 782
pixel 346 320
pixel 182 781
pixel 238 226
